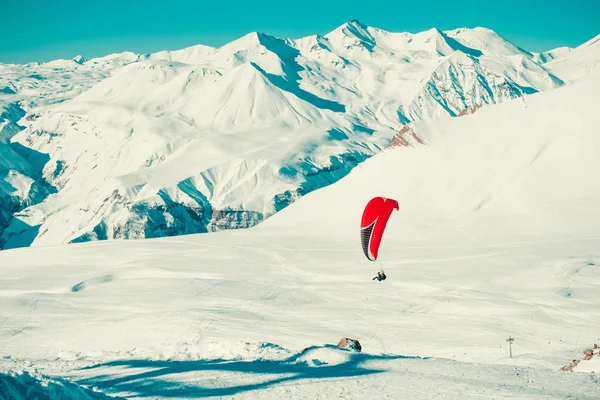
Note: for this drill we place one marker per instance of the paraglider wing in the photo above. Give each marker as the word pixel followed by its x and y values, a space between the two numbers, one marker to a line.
pixel 374 219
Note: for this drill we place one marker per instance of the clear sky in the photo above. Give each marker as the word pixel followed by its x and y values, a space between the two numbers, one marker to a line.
pixel 42 30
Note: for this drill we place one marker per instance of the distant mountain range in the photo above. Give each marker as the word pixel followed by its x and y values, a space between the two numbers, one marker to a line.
pixel 204 139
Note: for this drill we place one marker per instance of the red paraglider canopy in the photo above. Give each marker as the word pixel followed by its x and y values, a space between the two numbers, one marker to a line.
pixel 374 219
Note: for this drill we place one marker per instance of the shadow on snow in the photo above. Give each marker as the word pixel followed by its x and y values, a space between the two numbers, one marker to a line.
pixel 270 373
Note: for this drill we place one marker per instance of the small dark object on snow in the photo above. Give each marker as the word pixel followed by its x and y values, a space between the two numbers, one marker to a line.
pixel 347 343
pixel 570 366
pixel 380 276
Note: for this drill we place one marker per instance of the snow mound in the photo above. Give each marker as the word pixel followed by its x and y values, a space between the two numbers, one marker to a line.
pixel 225 350
pixel 323 355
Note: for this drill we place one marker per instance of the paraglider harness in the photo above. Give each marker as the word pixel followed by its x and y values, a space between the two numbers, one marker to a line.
pixel 380 276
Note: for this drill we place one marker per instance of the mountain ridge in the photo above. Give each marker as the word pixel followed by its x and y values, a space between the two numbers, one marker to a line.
pixel 132 140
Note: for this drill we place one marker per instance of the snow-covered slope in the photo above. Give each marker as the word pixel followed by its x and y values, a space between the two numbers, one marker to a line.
pixel 550 55
pixel 513 159
pixel 10 113
pixel 25 91
pixel 488 41
pixel 497 235
pixel 34 85
pixel 21 184
pixel 189 55
pixel 577 63
pixel 203 139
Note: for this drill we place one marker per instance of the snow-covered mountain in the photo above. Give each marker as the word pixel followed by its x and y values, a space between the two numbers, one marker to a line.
pixel 497 236
pixel 204 138
pixel 577 63
pixel 509 162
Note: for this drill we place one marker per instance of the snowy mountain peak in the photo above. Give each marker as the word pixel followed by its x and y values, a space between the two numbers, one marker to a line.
pixel 357 28
pixel 355 35
pixel 190 55
pixel 247 41
pixel 487 41
pixel 79 59
pixel 115 59
pixel 439 43
pixel 431 33
pixel 353 26
pixel 351 35
pixel 248 46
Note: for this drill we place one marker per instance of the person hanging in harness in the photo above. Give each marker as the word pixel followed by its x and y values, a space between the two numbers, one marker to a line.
pixel 372 225
pixel 380 276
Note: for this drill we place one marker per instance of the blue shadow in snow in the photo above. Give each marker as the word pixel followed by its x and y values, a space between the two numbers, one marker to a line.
pixel 36 159
pixel 337 134
pixel 23 385
pixel 291 68
pixel 150 383
pixel 293 87
pixel 21 235
pixel 456 45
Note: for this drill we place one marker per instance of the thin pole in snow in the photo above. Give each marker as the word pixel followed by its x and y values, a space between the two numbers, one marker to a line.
pixel 510 341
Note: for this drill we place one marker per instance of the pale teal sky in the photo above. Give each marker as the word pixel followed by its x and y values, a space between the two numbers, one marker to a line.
pixel 43 30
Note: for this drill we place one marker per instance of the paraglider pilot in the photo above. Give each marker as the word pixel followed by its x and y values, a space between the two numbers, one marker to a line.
pixel 380 276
